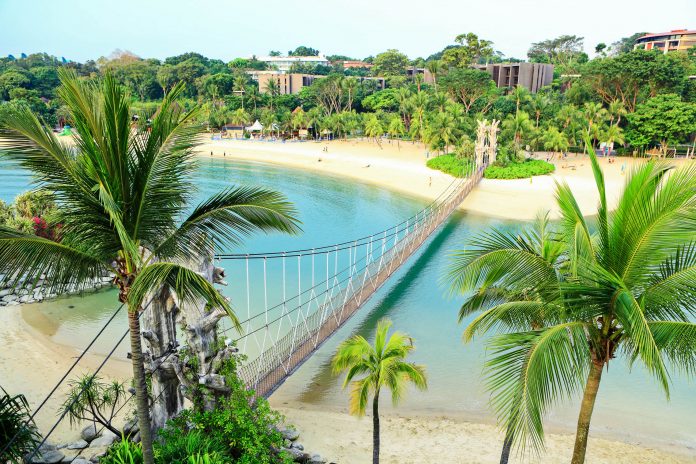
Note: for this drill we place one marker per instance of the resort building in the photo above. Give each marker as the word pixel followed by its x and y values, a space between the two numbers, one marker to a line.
pixel 288 83
pixel 284 63
pixel 676 40
pixel 348 64
pixel 531 76
pixel 292 83
pixel 427 75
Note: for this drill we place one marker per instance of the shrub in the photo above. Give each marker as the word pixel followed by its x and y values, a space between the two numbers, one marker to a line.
pixel 451 164
pixel 522 170
pixel 177 446
pixel 123 452
pixel 14 421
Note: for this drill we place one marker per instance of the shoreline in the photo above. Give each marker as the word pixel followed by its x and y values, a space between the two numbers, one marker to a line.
pixel 402 168
pixel 456 434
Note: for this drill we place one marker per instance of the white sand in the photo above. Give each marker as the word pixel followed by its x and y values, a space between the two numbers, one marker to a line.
pixel 31 363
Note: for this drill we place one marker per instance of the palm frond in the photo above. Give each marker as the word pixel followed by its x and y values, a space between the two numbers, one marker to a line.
pixel 677 343
pixel 26 257
pixel 189 287
pixel 226 218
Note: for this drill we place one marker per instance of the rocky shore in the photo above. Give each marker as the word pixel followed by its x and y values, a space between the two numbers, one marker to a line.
pixel 94 441
pixel 30 292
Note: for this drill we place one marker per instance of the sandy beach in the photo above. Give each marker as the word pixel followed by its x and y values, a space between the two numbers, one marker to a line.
pixel 402 167
pixel 31 363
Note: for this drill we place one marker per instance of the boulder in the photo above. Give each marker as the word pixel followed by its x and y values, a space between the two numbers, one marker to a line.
pixel 130 427
pixel 81 461
pixel 5 292
pixel 316 459
pixel 297 446
pixel 77 445
pixel 47 454
pixel 105 440
pixel 90 432
pixel 10 298
pixel 297 455
pixel 26 299
pixel 290 433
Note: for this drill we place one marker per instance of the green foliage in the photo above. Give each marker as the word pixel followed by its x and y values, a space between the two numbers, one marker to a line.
pixel 93 400
pixel 124 452
pixel 390 63
pixel 14 421
pixel 522 170
pixel 663 119
pixel 32 212
pixel 178 446
pixel 451 164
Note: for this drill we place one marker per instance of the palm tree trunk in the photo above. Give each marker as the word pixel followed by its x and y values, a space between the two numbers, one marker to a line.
pixel 375 429
pixel 140 385
pixel 507 446
pixel 586 407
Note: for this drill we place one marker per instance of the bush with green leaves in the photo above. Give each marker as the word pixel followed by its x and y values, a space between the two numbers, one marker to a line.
pixel 176 445
pixel 123 452
pixel 15 425
pixel 521 170
pixel 451 164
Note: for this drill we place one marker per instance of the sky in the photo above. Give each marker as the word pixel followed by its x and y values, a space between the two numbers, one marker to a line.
pixel 225 29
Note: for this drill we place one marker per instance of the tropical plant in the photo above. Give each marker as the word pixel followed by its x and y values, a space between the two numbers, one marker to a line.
pixel 91 399
pixel 626 286
pixel 381 365
pixel 396 129
pixel 373 127
pixel 555 140
pixel 124 193
pixel 18 432
pixel 124 452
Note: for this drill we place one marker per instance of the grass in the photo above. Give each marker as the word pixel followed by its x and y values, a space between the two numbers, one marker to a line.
pixel 523 170
pixel 450 164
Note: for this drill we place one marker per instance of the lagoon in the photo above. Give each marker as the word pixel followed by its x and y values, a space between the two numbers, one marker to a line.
pixel 630 405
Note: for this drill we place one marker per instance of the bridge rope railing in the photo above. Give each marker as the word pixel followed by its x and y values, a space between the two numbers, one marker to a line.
pixel 313 314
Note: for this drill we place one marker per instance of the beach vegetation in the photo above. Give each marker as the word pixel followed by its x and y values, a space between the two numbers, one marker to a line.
pixel 369 368
pixel 17 429
pixel 519 170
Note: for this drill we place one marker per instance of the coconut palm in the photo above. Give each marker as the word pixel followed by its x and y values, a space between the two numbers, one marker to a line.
pixel 435 68
pixel 520 95
pixel 538 105
pixel 350 85
pixel 594 115
pixel 519 126
pixel 626 286
pixel 124 194
pixel 373 127
pixel 239 117
pixel 555 140
pixel 18 433
pixel 440 131
pixel 616 109
pixel 272 88
pixel 382 365
pixel 396 129
pixel 239 86
pixel 488 273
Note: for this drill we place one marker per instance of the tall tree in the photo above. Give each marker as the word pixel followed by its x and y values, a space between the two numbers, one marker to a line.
pixel 382 365
pixel 124 194
pixel 626 286
pixel 560 51
pixel 470 87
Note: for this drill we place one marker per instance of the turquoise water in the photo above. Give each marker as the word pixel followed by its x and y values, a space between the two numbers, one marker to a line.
pixel 630 405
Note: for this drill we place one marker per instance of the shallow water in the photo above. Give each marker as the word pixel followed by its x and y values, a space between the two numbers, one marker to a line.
pixel 630 405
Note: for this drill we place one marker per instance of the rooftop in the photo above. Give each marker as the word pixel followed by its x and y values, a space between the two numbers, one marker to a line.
pixel 672 32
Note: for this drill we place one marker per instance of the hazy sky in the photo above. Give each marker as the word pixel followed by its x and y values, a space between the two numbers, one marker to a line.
pixel 225 29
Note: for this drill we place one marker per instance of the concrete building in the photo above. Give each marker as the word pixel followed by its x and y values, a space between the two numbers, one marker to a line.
pixel 676 40
pixel 531 76
pixel 284 63
pixel 288 83
pixel 427 75
pixel 292 83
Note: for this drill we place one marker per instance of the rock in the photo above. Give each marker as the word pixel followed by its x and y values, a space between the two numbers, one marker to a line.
pixel 131 427
pixel 290 434
pixel 297 455
pixel 97 454
pixel 316 459
pixel 12 303
pixel 297 446
pixel 286 443
pixel 107 438
pixel 89 433
pixel 78 445
pixel 5 292
pixel 26 299
pixel 81 461
pixel 10 298
pixel 47 454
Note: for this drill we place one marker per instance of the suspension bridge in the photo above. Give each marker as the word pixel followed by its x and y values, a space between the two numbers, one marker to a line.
pixel 328 285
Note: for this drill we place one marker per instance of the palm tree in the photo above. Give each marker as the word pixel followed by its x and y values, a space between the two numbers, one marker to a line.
pixel 538 105
pixel 555 140
pixel 616 110
pixel 124 194
pixel 350 84
pixel 626 286
pixel 383 365
pixel 396 129
pixel 435 67
pixel 520 95
pixel 482 274
pixel 440 131
pixel 373 127
pixel 239 117
pixel 519 126
pixel 613 134
pixel 594 115
pixel 239 86
pixel 272 89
